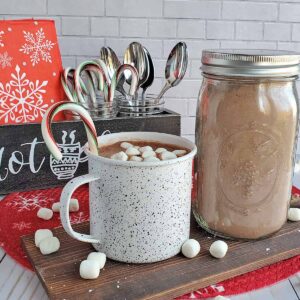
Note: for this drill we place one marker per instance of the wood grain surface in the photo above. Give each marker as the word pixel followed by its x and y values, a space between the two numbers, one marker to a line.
pixel 59 272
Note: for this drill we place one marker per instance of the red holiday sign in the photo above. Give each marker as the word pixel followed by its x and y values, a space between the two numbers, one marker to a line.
pixel 30 65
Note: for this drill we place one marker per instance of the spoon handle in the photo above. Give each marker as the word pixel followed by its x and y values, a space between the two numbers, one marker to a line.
pixel 162 92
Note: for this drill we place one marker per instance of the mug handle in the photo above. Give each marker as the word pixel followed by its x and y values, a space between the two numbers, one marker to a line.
pixel 65 198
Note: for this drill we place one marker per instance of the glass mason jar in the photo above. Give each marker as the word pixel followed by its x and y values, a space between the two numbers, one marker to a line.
pixel 246 128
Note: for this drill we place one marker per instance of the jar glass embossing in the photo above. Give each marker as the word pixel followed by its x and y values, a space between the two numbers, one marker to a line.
pixel 246 128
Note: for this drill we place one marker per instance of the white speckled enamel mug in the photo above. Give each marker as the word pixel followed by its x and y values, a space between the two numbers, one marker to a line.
pixel 139 211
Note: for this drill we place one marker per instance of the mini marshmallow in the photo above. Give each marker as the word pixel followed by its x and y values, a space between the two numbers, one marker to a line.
pixel 294 214
pixel 179 153
pixel 99 257
pixel 126 145
pixel 74 205
pixel 167 155
pixel 148 153
pixel 145 148
pixel 137 147
pixel 190 248
pixel 56 207
pixel 218 249
pixel 49 245
pixel 45 213
pixel 160 150
pixel 40 235
pixel 136 158
pixel 120 156
pixel 89 269
pixel 151 159
pixel 132 151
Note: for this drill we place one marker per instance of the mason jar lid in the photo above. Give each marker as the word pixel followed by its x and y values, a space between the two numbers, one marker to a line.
pixel 250 63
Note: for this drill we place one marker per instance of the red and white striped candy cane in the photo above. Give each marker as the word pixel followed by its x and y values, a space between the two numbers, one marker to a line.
pixel 85 117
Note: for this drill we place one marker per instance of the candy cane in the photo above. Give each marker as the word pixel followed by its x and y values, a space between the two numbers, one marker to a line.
pixel 85 117
pixel 92 65
pixel 117 77
pixel 67 82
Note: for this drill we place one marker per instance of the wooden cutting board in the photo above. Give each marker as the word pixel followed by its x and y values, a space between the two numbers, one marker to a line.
pixel 59 272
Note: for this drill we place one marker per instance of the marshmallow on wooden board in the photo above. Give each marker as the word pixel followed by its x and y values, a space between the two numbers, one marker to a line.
pixel 190 248
pixel 179 153
pixel 151 159
pixel 89 269
pixel 132 151
pixel 166 155
pixel 160 150
pixel 40 235
pixel 135 158
pixel 99 257
pixel 49 245
pixel 294 214
pixel 148 153
pixel 145 148
pixel 45 213
pixel 218 249
pixel 126 145
pixel 120 156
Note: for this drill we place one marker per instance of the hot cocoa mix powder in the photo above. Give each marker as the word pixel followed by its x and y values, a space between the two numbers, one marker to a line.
pixel 245 157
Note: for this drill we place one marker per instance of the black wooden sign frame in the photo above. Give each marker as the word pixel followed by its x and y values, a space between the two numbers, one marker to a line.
pixel 26 164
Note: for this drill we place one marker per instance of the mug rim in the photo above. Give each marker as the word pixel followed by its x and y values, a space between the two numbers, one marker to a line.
pixel 190 145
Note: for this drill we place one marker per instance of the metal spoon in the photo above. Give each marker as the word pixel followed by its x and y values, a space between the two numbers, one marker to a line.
pixel 110 59
pixel 136 56
pixel 175 67
pixel 112 62
pixel 150 78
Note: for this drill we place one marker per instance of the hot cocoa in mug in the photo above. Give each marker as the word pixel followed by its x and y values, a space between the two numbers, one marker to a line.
pixel 139 210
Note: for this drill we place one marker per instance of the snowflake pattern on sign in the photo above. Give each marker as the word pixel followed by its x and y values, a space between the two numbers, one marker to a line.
pixel 5 60
pixel 1 38
pixel 21 100
pixel 22 203
pixel 37 47
pixel 21 225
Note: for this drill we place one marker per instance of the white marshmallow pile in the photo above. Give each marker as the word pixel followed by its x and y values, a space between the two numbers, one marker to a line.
pixel 125 145
pixel 218 249
pixel 294 214
pixel 120 156
pixel 90 268
pixel 191 248
pixel 145 153
pixel 44 239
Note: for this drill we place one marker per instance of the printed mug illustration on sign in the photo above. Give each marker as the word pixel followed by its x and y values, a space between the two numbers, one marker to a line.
pixel 72 152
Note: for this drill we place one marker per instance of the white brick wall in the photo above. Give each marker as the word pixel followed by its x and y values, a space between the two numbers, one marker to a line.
pixel 84 26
